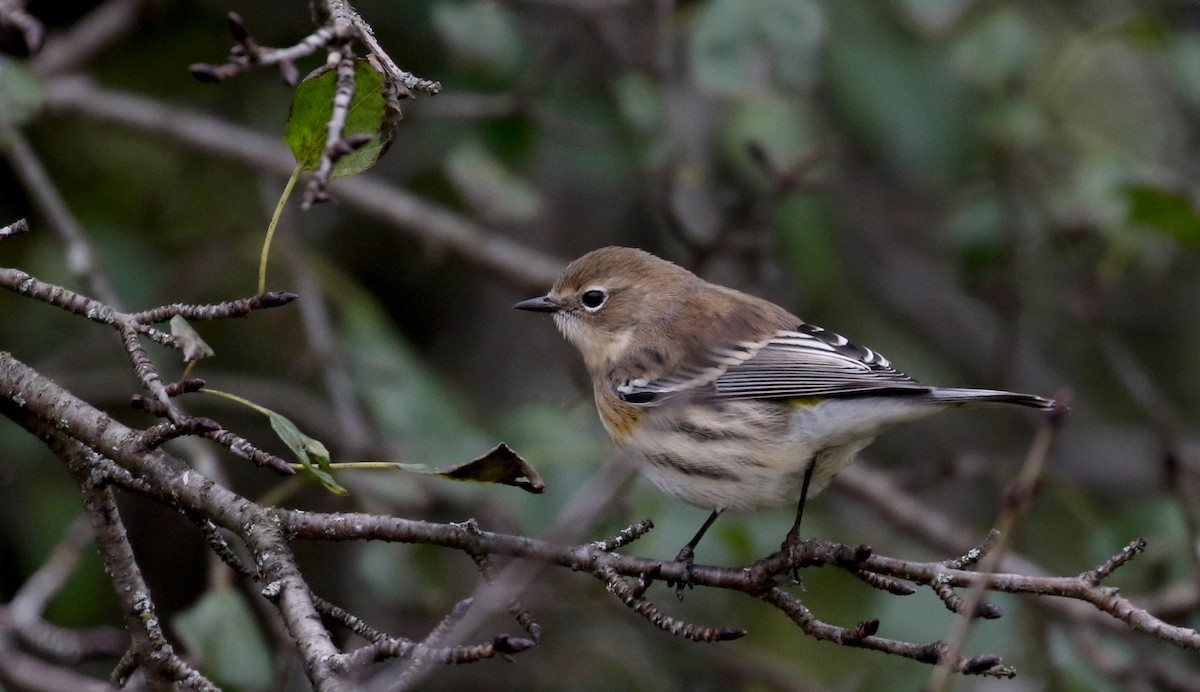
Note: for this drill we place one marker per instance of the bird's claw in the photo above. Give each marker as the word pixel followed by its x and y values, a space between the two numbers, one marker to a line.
pixel 687 557
pixel 788 549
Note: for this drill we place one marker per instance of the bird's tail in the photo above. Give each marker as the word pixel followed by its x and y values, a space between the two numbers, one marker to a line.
pixel 990 396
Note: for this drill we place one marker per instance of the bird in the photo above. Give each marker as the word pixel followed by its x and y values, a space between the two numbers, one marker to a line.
pixel 724 400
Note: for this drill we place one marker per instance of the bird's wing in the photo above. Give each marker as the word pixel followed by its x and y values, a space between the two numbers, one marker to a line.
pixel 806 362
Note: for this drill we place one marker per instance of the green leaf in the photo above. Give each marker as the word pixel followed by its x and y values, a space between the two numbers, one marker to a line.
pixel 221 635
pixel 306 449
pixel 372 112
pixel 188 340
pixel 21 93
pixel 1168 211
pixel 311 453
pixel 743 46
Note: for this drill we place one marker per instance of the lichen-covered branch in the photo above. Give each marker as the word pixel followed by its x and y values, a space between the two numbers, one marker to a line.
pixel 39 405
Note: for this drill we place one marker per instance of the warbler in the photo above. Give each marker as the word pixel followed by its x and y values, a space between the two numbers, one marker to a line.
pixel 725 400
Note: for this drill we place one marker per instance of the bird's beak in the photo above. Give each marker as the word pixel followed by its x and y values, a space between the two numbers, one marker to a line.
pixel 539 304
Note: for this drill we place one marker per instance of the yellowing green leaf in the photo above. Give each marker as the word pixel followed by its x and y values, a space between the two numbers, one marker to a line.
pixel 372 112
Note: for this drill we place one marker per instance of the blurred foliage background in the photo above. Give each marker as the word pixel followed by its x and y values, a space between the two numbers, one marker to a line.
pixel 991 193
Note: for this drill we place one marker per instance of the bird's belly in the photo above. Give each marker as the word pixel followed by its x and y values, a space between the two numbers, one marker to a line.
pixel 743 455
pixel 735 455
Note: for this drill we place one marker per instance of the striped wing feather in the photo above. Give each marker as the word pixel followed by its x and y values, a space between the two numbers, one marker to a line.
pixel 807 362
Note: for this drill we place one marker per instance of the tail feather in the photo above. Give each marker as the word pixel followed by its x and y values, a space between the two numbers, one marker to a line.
pixel 989 396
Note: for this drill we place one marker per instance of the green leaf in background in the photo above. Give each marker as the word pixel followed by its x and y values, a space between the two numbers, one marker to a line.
pixel 371 113
pixel 222 637
pixel 975 230
pixel 481 34
pixel 404 396
pixel 484 181
pixel 1156 519
pixel 994 50
pixel 743 46
pixel 1170 212
pixel 934 17
pixel 808 246
pixel 902 97
pixel 640 101
pixel 780 127
pixel 309 451
pixel 1118 100
pixel 1183 58
pixel 20 94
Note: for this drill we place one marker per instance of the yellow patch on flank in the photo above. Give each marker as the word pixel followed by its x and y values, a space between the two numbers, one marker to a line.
pixel 804 402
pixel 619 419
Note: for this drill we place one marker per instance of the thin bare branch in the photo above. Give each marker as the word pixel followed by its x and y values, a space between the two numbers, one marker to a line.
pixel 344 20
pixel 43 404
pixel 343 60
pixel 13 13
pixel 633 599
pixel 521 266
pixel 14 228
pixel 247 54
pixel 1018 498
pixel 81 258
pixel 96 32
pixel 153 653
pixel 31 599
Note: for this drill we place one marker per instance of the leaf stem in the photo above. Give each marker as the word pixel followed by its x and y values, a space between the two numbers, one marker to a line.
pixel 240 400
pixel 266 250
pixel 364 465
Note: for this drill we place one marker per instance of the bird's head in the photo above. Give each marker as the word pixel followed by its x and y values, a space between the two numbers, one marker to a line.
pixel 605 297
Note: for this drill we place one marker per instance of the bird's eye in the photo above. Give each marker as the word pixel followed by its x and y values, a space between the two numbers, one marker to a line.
pixel 593 299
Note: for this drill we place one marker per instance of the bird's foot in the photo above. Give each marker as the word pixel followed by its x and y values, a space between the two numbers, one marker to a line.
pixel 687 556
pixel 788 548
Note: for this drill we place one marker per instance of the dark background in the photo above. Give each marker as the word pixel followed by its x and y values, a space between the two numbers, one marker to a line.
pixel 994 194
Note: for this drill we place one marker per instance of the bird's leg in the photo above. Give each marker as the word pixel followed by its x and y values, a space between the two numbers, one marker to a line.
pixel 687 553
pixel 793 537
